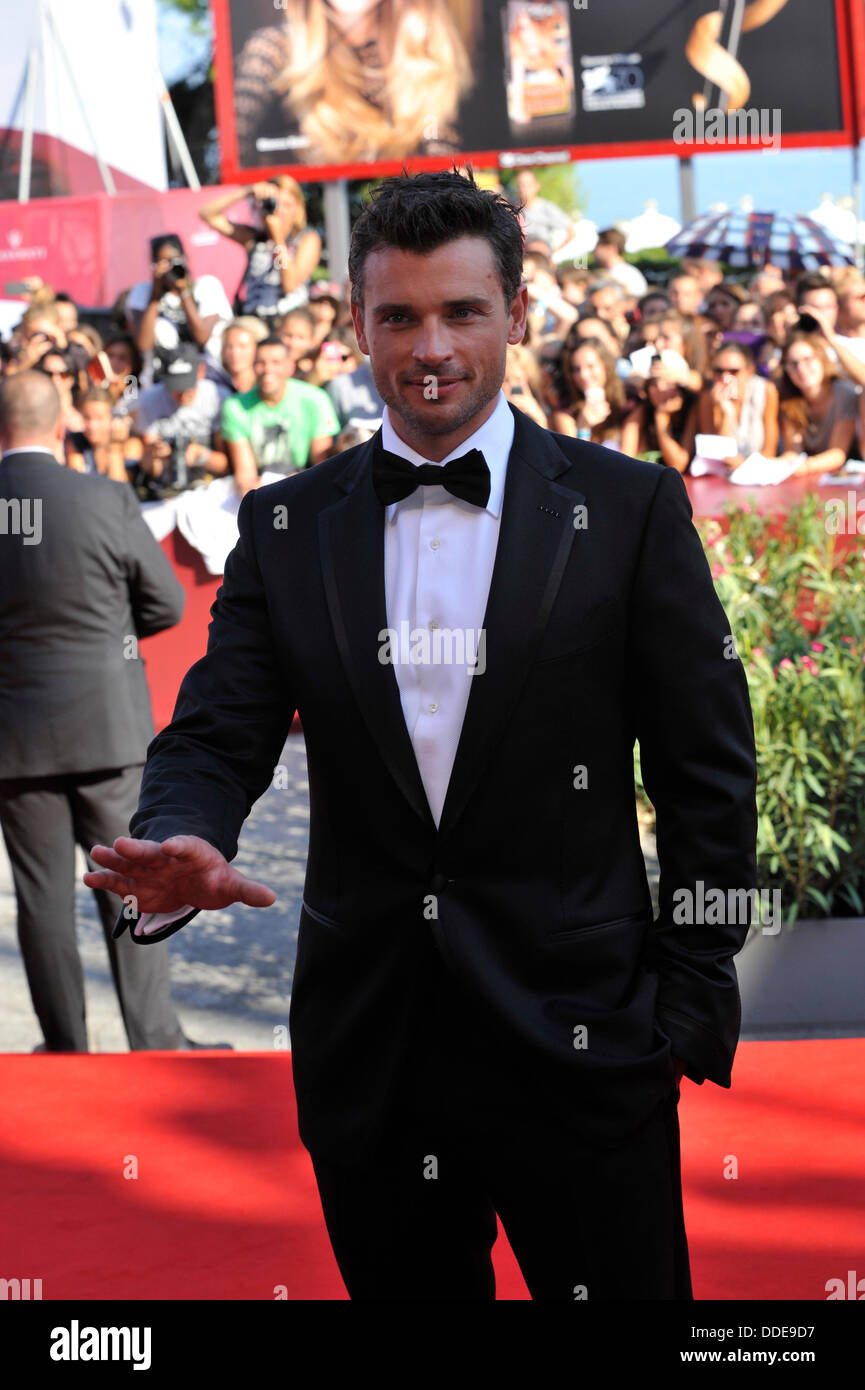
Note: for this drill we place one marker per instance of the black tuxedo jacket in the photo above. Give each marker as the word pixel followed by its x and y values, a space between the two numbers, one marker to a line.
pixel 73 691
pixel 602 627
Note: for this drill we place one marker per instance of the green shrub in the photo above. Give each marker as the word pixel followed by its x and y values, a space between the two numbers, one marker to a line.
pixel 794 597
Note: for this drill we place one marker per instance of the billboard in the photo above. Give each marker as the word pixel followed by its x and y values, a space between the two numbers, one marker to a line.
pixel 356 88
pixel 92 91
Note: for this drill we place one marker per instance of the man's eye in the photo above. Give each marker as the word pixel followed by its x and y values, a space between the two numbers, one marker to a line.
pixel 391 317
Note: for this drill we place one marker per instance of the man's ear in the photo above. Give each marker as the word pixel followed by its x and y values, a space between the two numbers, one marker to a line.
pixel 357 321
pixel 517 315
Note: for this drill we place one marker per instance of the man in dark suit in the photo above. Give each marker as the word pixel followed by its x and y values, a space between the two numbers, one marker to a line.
pixel 475 619
pixel 81 579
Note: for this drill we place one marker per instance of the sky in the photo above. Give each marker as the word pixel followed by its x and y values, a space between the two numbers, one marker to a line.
pixel 613 189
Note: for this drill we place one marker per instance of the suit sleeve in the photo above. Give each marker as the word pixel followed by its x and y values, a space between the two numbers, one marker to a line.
pixel 695 729
pixel 155 594
pixel 208 767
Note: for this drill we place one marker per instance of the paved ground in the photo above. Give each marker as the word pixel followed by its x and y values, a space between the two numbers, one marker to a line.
pixel 231 970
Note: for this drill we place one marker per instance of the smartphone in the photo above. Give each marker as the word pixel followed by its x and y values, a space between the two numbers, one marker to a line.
pixel 17 287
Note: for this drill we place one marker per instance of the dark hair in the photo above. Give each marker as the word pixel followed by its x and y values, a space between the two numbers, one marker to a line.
pixel 611 236
pixel 813 280
pixel 127 341
pixel 741 349
pixel 778 299
pixel 271 341
pixel 421 212
pixel 169 239
pixel 654 294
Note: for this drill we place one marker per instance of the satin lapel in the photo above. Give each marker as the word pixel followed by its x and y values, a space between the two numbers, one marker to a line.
pixel 351 540
pixel 535 538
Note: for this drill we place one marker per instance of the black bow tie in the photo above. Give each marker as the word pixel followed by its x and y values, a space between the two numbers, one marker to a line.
pixel 395 478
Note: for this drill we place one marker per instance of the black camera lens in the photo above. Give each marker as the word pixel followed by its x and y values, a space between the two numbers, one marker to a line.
pixel 268 206
pixel 808 324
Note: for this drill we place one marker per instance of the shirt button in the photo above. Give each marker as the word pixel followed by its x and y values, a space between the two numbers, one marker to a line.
pixel 433 707
pixel 434 545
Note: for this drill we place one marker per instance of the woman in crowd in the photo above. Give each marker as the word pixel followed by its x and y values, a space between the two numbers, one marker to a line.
pixel 723 303
pixel 94 449
pixel 740 404
pixel 62 371
pixel 324 305
pixel 297 331
pixel 238 353
pixel 173 308
pixel 281 253
pixel 596 407
pixel 663 423
pixel 353 80
pixel 522 383
pixel 338 354
pixel 679 335
pixel 819 409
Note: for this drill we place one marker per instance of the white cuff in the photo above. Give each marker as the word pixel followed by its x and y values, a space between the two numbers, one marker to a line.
pixel 150 922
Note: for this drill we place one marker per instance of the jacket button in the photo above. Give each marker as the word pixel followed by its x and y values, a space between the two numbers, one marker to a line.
pixel 438 882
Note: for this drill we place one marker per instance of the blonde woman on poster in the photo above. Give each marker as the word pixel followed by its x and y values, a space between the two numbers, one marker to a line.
pixel 345 81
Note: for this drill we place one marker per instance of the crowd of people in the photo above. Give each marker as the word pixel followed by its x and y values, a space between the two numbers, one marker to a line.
pixel 188 386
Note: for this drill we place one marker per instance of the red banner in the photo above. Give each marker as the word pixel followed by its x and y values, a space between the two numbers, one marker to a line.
pixel 95 247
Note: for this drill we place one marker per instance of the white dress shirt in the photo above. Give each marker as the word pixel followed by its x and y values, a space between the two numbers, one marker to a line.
pixel 439 553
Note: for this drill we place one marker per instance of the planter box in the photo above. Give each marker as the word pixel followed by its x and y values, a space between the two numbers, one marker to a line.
pixel 808 981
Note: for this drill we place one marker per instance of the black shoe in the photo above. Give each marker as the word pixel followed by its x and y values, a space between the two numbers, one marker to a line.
pixel 186 1044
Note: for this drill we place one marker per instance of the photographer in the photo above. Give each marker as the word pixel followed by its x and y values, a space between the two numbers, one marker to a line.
pixel 38 331
pixel 281 255
pixel 177 421
pixel 173 308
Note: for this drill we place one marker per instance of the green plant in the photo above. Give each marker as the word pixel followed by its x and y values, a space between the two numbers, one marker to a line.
pixel 793 593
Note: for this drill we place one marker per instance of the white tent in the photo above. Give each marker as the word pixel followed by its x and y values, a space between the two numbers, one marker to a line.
pixel 838 217
pixel 83 79
pixel 650 229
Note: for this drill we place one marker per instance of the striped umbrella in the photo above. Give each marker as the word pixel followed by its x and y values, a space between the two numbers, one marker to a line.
pixel 742 238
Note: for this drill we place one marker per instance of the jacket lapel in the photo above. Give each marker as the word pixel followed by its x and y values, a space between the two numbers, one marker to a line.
pixel 535 538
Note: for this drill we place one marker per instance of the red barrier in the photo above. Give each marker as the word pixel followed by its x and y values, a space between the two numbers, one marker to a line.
pixel 96 246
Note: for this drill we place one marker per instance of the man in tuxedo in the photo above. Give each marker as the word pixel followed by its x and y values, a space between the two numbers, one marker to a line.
pixel 475 619
pixel 81 579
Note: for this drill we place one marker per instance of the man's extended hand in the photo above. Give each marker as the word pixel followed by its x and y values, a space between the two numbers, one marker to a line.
pixel 165 877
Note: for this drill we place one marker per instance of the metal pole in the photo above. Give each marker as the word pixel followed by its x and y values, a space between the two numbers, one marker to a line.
pixel 687 194
pixel 104 171
pixel 176 137
pixel 24 173
pixel 337 228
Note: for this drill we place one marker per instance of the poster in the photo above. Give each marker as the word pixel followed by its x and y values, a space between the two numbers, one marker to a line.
pixel 359 88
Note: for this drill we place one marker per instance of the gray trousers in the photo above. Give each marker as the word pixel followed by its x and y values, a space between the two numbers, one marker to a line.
pixel 43 818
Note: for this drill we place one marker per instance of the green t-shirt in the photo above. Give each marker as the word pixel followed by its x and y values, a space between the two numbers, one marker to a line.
pixel 280 435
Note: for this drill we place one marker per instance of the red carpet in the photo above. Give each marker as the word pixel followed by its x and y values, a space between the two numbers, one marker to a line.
pixel 225 1207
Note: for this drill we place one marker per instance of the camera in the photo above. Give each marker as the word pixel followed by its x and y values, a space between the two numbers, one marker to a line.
pixel 177 270
pixel 268 206
pixel 808 324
